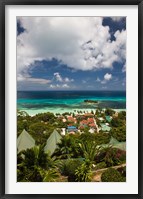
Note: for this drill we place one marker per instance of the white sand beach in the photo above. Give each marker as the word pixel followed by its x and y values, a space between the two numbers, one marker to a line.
pixel 33 112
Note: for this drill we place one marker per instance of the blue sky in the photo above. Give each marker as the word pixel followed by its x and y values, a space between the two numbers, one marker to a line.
pixel 71 53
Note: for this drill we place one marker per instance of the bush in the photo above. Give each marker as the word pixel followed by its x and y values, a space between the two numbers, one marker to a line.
pixel 116 122
pixel 100 165
pixel 45 117
pixel 122 115
pixel 37 129
pixel 109 112
pixel 119 133
pixel 83 173
pixel 111 156
pixel 122 171
pixel 112 175
pixel 100 157
pixel 102 138
pixel 68 168
pixel 114 157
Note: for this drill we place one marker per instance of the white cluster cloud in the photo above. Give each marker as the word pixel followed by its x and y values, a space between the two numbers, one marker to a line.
pixel 68 80
pixel 82 43
pixel 65 86
pixel 55 86
pixel 62 81
pixel 59 78
pixel 107 76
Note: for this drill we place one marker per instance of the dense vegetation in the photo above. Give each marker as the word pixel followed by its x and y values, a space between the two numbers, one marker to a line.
pixel 112 175
pixel 77 155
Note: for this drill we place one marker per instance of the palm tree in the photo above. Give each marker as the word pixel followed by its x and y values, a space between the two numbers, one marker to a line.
pixel 22 113
pixel 52 175
pixel 35 165
pixel 89 149
pixel 67 148
pixel 83 173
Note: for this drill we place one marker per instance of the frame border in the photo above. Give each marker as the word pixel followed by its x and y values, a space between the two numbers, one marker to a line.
pixel 3 3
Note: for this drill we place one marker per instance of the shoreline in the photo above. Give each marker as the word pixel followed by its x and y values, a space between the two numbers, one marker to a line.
pixel 61 111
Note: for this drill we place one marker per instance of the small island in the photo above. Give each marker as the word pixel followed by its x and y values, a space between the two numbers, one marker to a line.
pixel 91 101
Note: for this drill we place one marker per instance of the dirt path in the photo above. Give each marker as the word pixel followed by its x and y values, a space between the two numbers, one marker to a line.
pixel 97 174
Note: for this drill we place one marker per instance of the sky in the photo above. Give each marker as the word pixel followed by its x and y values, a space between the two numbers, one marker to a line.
pixel 71 53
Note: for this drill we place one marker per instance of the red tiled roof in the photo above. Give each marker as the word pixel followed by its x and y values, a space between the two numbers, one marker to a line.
pixel 71 119
pixel 92 124
pixel 81 127
pixel 84 122
pixel 90 120
pixel 70 125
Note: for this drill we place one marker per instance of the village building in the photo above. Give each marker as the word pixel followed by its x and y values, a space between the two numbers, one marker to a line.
pixel 105 127
pixel 91 130
pixel 52 142
pixel 71 119
pixel 25 141
pixel 108 118
pixel 63 131
pixel 101 119
pixel 64 120
pixel 71 129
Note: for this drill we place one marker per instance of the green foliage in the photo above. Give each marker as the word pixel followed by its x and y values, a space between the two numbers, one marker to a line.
pixel 68 168
pixel 100 156
pixel 83 173
pixel 100 165
pixel 66 113
pixel 50 175
pixel 32 163
pixel 92 112
pixel 89 149
pixel 119 133
pixel 22 124
pixel 87 136
pixel 122 171
pixel 85 145
pixel 37 131
pixel 61 124
pixel 112 175
pixel 111 156
pixel 23 121
pixel 99 138
pixel 102 138
pixel 117 122
pixel 45 117
pixel 68 148
pixel 109 111
pixel 114 157
pixel 37 128
pixel 98 112
pixel 122 115
pixel 22 113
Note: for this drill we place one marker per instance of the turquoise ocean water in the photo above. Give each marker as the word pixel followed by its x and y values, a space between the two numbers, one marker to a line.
pixel 62 101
